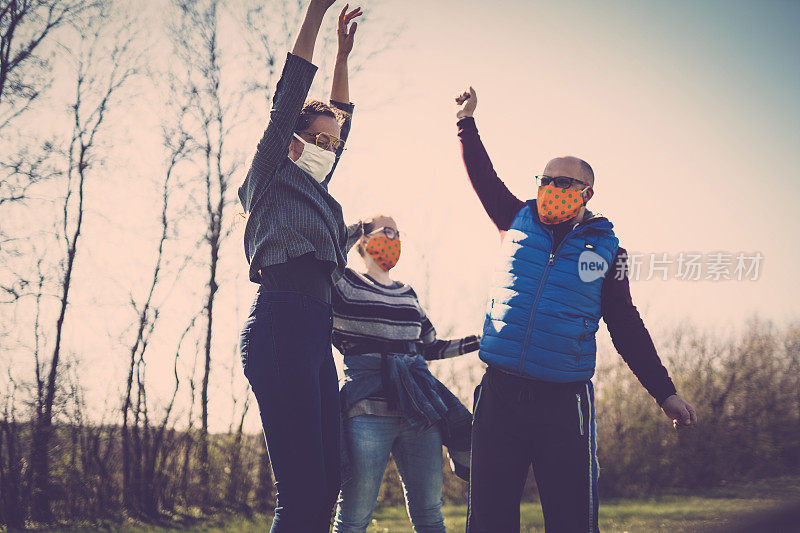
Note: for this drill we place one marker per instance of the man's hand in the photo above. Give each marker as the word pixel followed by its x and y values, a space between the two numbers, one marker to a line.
pixel 345 36
pixel 681 413
pixel 467 101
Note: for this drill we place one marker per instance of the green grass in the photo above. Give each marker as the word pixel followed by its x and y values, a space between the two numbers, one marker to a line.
pixel 665 513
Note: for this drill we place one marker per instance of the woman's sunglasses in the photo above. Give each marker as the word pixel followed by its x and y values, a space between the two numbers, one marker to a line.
pixel 325 141
pixel 390 232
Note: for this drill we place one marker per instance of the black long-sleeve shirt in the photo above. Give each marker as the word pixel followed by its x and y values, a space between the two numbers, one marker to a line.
pixel 628 332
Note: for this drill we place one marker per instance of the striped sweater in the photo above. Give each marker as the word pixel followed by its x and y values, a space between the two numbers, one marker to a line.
pixel 372 318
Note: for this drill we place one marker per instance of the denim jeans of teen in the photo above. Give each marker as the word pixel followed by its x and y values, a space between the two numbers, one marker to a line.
pixel 418 457
pixel 286 354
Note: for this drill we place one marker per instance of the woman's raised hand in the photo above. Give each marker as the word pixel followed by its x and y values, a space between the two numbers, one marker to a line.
pixel 346 36
pixel 324 4
pixel 467 101
pixel 307 37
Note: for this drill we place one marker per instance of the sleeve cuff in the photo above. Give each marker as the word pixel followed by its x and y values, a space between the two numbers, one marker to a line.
pixel 346 107
pixel 294 83
pixel 666 393
pixel 466 124
pixel 355 230
pixel 473 342
pixel 299 62
pixel 354 233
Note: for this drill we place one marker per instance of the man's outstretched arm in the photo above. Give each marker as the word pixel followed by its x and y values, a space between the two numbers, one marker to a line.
pixel 634 344
pixel 500 204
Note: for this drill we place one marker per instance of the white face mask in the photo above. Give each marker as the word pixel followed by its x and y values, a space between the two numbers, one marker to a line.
pixel 314 160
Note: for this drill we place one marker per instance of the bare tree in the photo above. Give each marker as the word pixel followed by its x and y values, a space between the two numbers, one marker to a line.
pixel 214 109
pixel 237 485
pixel 176 143
pixel 11 508
pixel 188 440
pixel 26 26
pixel 27 30
pixel 94 94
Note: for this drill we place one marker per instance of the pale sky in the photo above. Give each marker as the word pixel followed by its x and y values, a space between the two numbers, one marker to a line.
pixel 687 112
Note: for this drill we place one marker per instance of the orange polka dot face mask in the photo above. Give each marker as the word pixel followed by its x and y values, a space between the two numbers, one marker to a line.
pixel 384 251
pixel 558 205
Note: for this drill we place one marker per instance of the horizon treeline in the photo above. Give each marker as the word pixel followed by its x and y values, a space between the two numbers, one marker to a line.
pixel 746 391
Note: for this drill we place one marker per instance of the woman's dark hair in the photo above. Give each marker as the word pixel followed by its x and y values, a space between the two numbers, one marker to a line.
pixel 313 109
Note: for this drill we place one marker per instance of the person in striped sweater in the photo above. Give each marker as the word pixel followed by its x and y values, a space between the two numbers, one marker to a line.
pixel 391 403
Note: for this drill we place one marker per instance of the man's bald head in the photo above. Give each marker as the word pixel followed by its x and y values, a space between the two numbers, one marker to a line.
pixel 571 167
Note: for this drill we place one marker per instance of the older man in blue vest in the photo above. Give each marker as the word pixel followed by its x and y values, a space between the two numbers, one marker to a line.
pixel 561 270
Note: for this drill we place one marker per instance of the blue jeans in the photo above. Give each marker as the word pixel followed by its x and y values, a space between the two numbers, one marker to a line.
pixel 286 354
pixel 418 457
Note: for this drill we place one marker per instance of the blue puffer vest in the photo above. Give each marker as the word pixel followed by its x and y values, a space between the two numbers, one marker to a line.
pixel 544 307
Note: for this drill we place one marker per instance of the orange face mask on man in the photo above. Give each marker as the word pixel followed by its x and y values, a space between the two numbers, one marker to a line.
pixel 556 204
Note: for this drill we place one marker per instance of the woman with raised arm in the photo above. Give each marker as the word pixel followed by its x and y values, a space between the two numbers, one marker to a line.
pixel 295 241
pixel 391 403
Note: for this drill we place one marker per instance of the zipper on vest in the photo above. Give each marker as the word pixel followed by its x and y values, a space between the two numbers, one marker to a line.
pixel 580 413
pixel 549 264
